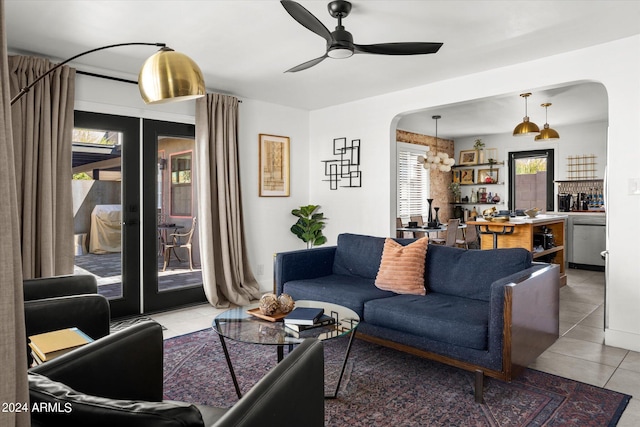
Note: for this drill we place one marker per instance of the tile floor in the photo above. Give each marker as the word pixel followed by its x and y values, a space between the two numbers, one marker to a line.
pixel 578 354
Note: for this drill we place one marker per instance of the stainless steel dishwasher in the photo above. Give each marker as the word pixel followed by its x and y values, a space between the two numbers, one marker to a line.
pixel 587 242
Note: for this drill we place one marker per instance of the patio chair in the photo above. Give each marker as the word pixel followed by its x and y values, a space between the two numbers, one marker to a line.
pixel 178 241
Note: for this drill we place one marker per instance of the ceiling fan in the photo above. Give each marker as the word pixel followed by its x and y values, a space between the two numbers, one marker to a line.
pixel 340 42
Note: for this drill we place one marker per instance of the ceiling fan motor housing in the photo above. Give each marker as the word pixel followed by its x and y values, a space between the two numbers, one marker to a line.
pixel 342 44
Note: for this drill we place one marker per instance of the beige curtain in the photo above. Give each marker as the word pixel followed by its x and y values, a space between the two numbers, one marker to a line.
pixel 13 355
pixel 226 273
pixel 42 128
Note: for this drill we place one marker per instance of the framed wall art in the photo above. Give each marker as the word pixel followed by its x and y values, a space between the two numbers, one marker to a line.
pixel 456 176
pixel 468 157
pixel 466 176
pixel 273 166
pixel 488 176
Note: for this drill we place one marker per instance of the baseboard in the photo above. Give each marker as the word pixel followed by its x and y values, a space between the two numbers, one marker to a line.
pixel 622 339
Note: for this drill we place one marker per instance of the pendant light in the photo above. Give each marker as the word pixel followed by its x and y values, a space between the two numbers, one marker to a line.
pixel 546 132
pixel 438 160
pixel 526 127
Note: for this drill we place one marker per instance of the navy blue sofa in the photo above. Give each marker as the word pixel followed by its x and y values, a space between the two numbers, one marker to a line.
pixel 488 311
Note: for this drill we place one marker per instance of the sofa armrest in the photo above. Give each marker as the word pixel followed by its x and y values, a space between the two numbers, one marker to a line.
pixel 89 313
pixel 291 394
pixel 302 264
pixel 530 304
pixel 59 286
pixel 127 364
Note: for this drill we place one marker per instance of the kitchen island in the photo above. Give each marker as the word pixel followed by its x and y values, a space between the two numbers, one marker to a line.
pixel 544 236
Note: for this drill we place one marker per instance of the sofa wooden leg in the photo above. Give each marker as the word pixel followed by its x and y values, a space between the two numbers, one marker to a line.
pixel 479 386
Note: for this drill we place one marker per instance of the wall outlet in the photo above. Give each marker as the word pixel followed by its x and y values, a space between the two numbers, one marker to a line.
pixel 260 271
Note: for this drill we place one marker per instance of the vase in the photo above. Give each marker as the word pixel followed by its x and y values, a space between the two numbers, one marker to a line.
pixel 436 219
pixel 429 215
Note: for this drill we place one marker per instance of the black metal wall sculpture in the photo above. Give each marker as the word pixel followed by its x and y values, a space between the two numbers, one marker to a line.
pixel 347 168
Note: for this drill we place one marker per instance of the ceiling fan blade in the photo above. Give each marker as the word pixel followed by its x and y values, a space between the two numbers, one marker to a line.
pixel 306 19
pixel 409 48
pixel 307 64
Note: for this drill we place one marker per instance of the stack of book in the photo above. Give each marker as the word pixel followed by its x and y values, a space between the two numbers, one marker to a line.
pixel 50 345
pixel 305 318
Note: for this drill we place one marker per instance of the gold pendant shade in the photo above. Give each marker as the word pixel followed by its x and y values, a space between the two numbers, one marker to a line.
pixel 546 132
pixel 526 127
pixel 169 76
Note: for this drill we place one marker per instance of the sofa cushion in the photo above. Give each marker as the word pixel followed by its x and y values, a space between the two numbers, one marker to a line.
pixel 359 255
pixel 349 291
pixel 439 317
pixel 470 273
pixel 402 267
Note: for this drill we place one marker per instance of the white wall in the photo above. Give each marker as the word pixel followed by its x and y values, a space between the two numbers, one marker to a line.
pixel 369 209
pixel 267 219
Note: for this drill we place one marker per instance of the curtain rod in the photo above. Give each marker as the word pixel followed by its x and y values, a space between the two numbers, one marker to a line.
pixel 117 79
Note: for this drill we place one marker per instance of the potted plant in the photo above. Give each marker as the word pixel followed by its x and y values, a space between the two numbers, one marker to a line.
pixel 455 189
pixel 309 226
pixel 478 146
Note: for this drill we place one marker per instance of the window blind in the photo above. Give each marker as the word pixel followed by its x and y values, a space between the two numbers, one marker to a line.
pixel 413 184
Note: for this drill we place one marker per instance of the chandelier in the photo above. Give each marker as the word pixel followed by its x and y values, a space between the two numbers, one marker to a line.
pixel 437 159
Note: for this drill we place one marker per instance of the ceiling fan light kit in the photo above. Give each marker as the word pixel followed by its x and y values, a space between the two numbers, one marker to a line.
pixel 340 43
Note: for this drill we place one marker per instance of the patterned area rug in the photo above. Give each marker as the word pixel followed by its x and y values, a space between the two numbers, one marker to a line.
pixel 384 387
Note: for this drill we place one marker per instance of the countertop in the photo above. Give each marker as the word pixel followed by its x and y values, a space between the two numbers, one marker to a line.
pixel 580 213
pixel 526 220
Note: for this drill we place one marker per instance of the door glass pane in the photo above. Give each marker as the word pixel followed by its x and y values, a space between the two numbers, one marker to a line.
pixel 178 243
pixel 531 183
pixel 97 207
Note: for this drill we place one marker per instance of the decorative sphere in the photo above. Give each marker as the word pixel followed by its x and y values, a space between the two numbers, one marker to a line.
pixel 286 303
pixel 268 304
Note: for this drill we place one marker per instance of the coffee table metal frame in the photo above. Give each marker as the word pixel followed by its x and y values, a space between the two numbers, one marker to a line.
pixel 238 325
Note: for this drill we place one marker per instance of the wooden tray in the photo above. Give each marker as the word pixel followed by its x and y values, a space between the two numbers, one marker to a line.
pixel 273 318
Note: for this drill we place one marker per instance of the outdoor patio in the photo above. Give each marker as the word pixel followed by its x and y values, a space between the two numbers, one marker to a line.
pixel 108 269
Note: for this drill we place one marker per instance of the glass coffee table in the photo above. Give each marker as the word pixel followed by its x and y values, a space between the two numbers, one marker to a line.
pixel 238 324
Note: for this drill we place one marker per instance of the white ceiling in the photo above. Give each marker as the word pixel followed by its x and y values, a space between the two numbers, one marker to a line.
pixel 243 47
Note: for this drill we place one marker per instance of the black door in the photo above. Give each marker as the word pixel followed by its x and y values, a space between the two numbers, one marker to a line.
pixel 171 256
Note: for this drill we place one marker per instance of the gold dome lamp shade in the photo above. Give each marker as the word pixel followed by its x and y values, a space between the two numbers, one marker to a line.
pixel 546 132
pixel 167 76
pixel 526 127
pixel 170 76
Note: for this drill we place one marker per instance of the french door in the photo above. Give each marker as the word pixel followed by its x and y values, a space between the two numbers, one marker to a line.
pixel 117 190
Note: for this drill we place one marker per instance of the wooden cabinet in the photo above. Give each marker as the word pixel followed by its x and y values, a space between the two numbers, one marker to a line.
pixel 526 235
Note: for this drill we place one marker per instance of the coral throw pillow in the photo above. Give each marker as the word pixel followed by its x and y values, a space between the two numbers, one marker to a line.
pixel 402 267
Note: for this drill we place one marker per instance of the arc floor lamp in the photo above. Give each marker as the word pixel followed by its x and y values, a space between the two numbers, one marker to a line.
pixel 166 76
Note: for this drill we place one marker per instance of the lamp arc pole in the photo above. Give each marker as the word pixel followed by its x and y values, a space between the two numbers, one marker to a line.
pixel 27 88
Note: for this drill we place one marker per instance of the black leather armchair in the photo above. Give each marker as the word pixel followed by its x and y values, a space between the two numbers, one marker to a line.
pixel 52 303
pixel 117 381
